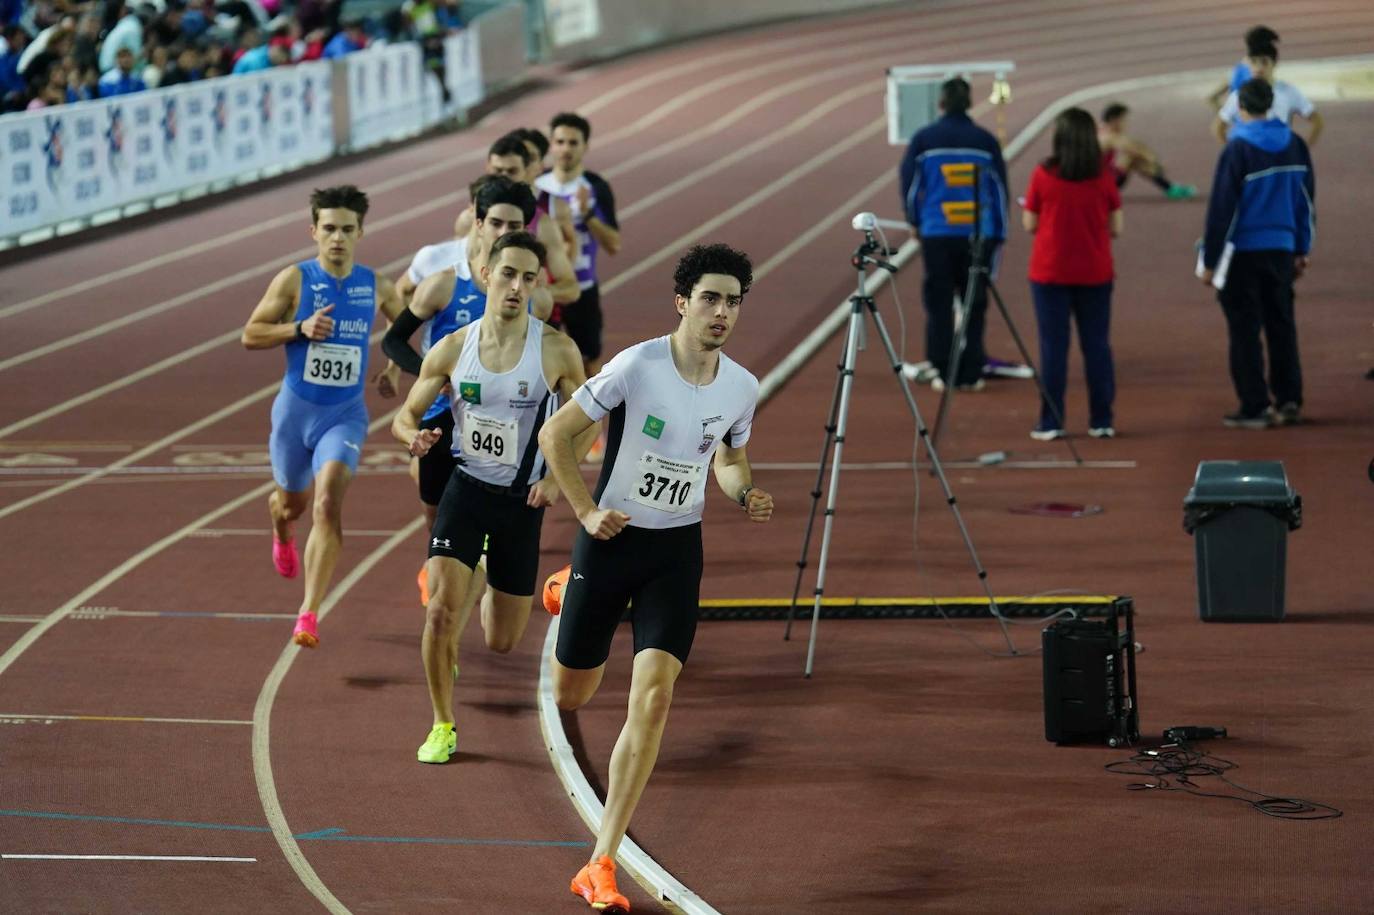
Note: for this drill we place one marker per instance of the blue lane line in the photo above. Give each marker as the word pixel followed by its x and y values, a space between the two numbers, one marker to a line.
pixel 330 834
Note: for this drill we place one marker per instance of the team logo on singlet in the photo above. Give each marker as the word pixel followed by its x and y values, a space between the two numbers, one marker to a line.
pixel 707 437
pixel 653 426
pixel 524 389
pixel 470 392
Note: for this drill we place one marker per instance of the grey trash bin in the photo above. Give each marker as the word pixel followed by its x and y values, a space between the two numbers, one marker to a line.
pixel 1240 513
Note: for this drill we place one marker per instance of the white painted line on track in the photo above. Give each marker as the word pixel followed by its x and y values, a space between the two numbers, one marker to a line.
pixel 209 858
pixel 19 618
pixel 137 719
pixel 263 532
pixel 52 619
pixel 262 728
pixel 633 859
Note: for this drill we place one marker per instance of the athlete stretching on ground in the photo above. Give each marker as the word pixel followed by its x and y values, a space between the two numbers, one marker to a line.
pixel 508 371
pixel 321 310
pixel 675 402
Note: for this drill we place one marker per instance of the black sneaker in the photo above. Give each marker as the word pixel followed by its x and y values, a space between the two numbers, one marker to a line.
pixel 1239 420
pixel 1290 414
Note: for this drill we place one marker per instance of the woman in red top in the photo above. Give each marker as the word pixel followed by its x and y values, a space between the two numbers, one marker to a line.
pixel 1073 209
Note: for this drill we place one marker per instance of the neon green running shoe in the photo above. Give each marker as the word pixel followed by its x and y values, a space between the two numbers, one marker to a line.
pixel 441 743
pixel 1181 192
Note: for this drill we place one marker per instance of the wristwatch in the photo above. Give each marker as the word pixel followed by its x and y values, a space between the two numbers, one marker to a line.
pixel 744 495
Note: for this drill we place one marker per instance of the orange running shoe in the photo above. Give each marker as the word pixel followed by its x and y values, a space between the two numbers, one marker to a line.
pixel 596 454
pixel 553 590
pixel 596 884
pixel 423 581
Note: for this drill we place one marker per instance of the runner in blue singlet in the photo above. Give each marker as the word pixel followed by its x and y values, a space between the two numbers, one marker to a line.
pixel 321 311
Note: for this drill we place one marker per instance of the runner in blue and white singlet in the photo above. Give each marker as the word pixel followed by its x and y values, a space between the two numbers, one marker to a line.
pixel 321 311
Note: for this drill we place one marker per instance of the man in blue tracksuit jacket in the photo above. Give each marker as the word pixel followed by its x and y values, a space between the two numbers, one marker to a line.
pixel 938 195
pixel 1260 224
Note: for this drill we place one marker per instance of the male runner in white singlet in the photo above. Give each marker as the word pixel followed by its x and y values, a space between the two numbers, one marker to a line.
pixel 508 372
pixel 677 406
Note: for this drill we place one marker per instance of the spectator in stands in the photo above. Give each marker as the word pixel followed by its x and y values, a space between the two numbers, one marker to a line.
pixel 52 89
pixel 1073 209
pixel 51 44
pixel 120 80
pixel 351 39
pixel 194 21
pixel 13 87
pixel 86 43
pixel 157 63
pixel 83 84
pixel 10 11
pixel 319 15
pixel 126 33
pixel 165 28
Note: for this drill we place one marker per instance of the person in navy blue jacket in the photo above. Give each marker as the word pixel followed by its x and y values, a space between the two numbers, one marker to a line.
pixel 938 194
pixel 1260 225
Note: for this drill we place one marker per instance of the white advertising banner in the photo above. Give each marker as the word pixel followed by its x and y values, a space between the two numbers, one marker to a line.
pixel 571 21
pixel 74 161
pixel 463 68
pixel 384 94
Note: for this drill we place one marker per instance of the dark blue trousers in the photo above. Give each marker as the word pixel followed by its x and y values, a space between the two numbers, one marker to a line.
pixel 1090 307
pixel 1258 296
pixel 947 261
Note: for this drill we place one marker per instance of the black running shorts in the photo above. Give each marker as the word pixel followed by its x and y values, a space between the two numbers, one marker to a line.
pixel 581 320
pixel 437 465
pixel 472 511
pixel 657 573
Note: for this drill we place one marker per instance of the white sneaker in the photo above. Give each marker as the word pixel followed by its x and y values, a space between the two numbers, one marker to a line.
pixel 1046 435
pixel 1102 432
pixel 918 371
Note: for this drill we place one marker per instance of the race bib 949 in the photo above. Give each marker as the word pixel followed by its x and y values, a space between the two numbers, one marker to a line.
pixel 666 484
pixel 336 365
pixel 490 439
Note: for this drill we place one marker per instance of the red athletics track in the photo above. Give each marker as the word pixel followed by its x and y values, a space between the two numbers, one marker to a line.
pixel 944 796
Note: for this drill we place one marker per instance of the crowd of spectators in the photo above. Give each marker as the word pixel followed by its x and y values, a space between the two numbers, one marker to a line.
pixel 57 51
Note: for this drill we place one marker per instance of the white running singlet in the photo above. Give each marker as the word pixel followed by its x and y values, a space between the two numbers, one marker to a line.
pixel 664 431
pixel 497 417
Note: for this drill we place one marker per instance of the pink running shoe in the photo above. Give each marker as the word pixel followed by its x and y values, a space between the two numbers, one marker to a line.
pixel 284 557
pixel 307 634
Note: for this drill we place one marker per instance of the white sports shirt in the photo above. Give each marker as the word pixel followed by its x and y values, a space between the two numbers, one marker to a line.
pixel 664 431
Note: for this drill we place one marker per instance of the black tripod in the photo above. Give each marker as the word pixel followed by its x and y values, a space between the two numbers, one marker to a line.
pixel 835 428
pixel 980 278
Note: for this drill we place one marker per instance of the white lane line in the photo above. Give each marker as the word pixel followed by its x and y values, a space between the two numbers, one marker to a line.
pixel 98 472
pixel 262 729
pixel 746 52
pixel 633 859
pixel 52 619
pixel 19 618
pixel 676 246
pixel 139 719
pixel 445 164
pixel 214 858
pixel 100 614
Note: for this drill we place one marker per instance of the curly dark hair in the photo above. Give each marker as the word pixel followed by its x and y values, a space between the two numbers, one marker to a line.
pixel 519 240
pixel 703 259
pixel 341 197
